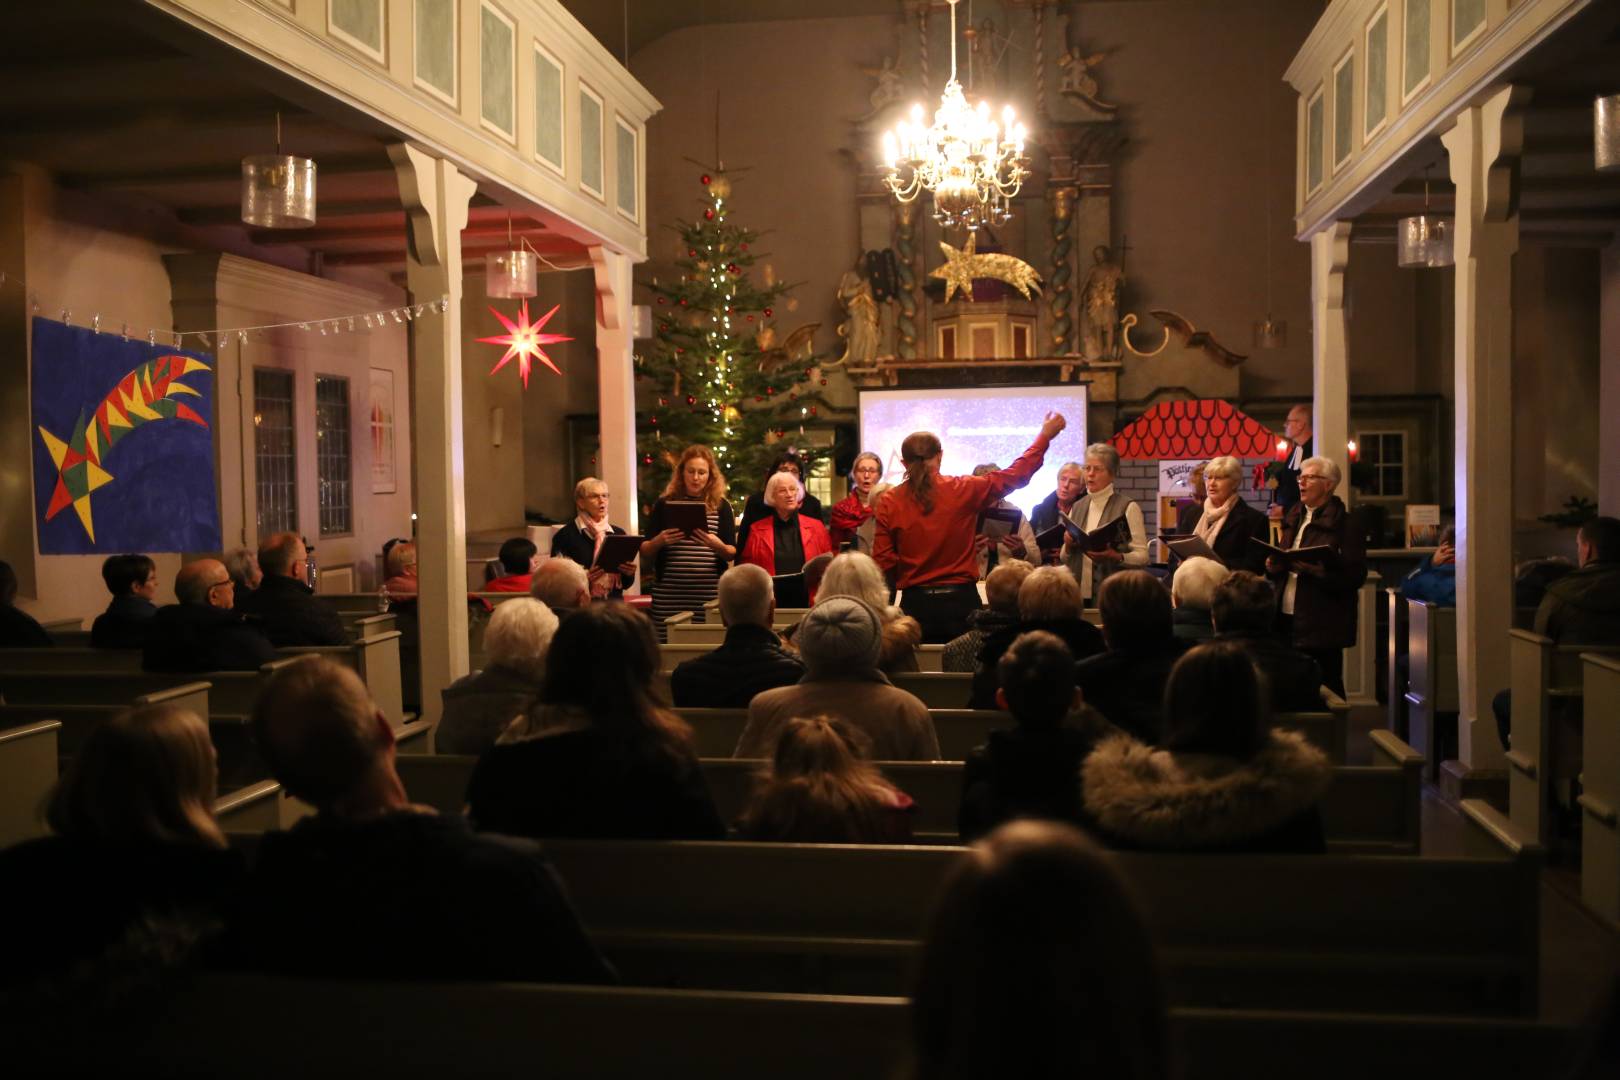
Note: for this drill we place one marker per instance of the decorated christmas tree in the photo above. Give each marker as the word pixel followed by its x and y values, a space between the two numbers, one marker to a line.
pixel 724 374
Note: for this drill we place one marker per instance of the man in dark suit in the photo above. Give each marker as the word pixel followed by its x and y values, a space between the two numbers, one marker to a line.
pixel 201 632
pixel 1297 429
pixel 751 659
pixel 581 538
pixel 288 610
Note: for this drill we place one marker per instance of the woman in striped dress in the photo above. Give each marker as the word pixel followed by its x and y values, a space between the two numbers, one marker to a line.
pixel 689 565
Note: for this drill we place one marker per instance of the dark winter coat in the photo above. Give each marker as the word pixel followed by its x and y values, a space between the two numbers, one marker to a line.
pixel 196 637
pixel 1127 686
pixel 1325 607
pixel 478 707
pixel 1082 638
pixel 750 660
pixel 1141 798
pixel 1294 679
pixel 291 615
pixel 124 624
pixel 1027 773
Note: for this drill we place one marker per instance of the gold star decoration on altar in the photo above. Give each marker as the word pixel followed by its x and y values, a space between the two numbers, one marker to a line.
pixel 523 340
pixel 961 267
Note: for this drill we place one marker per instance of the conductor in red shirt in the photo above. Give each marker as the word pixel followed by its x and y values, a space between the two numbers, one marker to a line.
pixel 926 526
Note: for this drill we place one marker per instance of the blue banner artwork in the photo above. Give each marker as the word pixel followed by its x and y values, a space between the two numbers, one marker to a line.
pixel 123 444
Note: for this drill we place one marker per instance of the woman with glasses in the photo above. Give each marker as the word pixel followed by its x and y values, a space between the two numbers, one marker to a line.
pixel 1318 594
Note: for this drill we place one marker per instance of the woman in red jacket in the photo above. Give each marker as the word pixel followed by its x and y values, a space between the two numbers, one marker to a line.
pixel 855 509
pixel 785 541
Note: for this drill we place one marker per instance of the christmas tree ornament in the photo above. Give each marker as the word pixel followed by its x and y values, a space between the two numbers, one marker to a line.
pixel 704 179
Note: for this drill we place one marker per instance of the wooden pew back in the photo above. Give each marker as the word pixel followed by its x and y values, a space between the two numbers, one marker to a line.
pixel 1600 782
pixel 27 774
pixel 1367 809
pixel 1394 649
pixel 1431 694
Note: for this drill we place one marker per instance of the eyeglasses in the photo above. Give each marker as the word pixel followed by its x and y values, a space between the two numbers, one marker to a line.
pixel 226 584
pixel 1303 477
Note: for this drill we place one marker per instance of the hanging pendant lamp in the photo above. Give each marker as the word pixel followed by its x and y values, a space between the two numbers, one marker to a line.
pixel 1606 133
pixel 278 190
pixel 1424 241
pixel 512 274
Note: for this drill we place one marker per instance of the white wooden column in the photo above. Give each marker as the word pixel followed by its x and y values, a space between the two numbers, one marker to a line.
pixel 436 196
pixel 1330 350
pixel 617 384
pixel 1484 148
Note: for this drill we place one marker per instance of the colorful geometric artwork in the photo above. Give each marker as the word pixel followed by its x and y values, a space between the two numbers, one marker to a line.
pixel 124 459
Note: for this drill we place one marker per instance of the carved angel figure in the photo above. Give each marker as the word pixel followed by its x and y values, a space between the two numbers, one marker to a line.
pixel 860 327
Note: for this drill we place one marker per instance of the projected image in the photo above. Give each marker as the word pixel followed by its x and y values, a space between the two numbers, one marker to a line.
pixel 976 425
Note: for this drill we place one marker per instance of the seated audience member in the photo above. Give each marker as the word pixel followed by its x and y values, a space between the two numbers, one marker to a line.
pixel 1192 590
pixel 1018 544
pixel 288 611
pixel 562 585
pixel 517 563
pixel 399 566
pixel 1583 606
pixel 750 660
pixel 782 540
pixel 757 507
pixel 478 707
pixel 1000 615
pixel 581 539
pixel 243 566
pixel 1126 683
pixel 375 887
pixel 202 632
pixel 1244 611
pixel 18 629
pixel 814 570
pixel 597 755
pixel 1532 577
pixel 1036 962
pixel 1049 599
pixel 822 790
pixel 1223 780
pixel 133 582
pixel 1435 578
pixel 1029 770
pixel 137 868
pixel 841 642
pixel 856 575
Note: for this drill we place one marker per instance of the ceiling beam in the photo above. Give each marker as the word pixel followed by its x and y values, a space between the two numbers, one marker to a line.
pixel 315 237
pixel 469 253
pixel 342 165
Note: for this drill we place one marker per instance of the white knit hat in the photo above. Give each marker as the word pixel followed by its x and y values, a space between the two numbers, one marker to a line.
pixel 840 635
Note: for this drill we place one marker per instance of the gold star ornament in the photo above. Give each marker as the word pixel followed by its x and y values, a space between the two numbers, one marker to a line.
pixel 961 267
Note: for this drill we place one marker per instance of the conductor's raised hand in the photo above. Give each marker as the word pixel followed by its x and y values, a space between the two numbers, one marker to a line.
pixel 1053 424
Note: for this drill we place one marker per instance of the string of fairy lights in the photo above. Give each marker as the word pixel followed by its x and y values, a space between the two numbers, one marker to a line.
pixel 217 337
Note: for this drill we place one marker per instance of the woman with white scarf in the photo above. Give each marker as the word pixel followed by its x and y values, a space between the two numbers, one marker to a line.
pixel 1228 523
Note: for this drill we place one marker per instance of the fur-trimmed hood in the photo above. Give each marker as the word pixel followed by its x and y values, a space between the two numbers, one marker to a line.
pixel 1155 799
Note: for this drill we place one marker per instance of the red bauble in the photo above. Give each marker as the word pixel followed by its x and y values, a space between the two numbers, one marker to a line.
pixel 647 460
pixel 750 318
pixel 691 253
pixel 690 399
pixel 708 215
pixel 660 299
pixel 770 390
pixel 812 410
pixel 654 420
pixel 734 268
pixel 683 301
pixel 767 313
pixel 758 398
pixel 705 178
pixel 679 350
pixel 662 403
pixel 744 247
pixel 823 382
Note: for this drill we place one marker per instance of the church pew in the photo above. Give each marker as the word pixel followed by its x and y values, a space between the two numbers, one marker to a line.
pixel 230 692
pixel 937 689
pixel 688 640
pixel 366 624
pixel 27 774
pixel 423 1029
pixel 376 660
pixel 71 639
pixel 716 731
pixel 1431 693
pixel 1546 681
pixel 1367 810
pixel 79 719
pixel 1332 932
pixel 1600 783
pixel 68 625
pixel 1394 650
pixel 784 617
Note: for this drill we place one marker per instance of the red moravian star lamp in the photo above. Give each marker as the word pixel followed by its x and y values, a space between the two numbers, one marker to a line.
pixel 523 340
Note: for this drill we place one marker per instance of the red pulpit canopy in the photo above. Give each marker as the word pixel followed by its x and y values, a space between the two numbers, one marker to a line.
pixel 1186 430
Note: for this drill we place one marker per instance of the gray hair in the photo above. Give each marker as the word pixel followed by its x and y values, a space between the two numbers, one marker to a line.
pixel 241 564
pixel 778 479
pixel 1326 466
pixel 557 583
pixel 746 593
pixel 1227 466
pixel 857 575
pixel 1050 592
pixel 1069 466
pixel 1105 455
pixel 519 636
pixel 1195 582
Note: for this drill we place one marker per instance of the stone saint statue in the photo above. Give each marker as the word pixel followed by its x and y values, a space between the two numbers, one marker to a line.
pixel 860 326
pixel 1099 298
